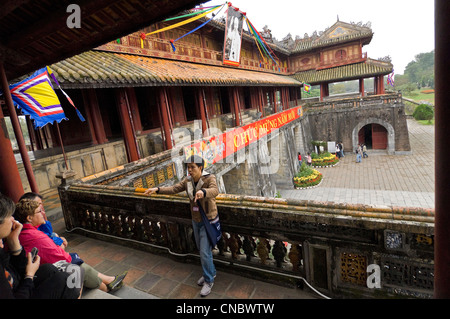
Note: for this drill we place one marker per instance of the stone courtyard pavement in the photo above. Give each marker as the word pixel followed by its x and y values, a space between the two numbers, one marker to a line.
pixel 380 179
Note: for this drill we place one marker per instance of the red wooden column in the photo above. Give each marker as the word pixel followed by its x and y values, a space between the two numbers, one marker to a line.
pixel 131 93
pixel 127 125
pixel 202 109
pixel 274 98
pixel 237 117
pixel 323 90
pixel 375 85
pixel 164 111
pixel 17 131
pixel 10 182
pixel 361 86
pixel 381 84
pixel 88 111
pixel 93 111
pixel 442 171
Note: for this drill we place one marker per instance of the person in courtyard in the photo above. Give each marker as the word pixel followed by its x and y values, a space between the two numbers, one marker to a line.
pixel 47 227
pixel 308 159
pixel 364 150
pixel 299 157
pixel 21 276
pixel 201 187
pixel 358 152
pixel 29 213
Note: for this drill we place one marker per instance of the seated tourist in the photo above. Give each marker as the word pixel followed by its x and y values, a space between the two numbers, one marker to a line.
pixel 20 275
pixel 47 226
pixel 29 213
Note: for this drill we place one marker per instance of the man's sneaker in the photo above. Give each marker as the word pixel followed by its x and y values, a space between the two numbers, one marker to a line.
pixel 116 284
pixel 206 289
pixel 201 281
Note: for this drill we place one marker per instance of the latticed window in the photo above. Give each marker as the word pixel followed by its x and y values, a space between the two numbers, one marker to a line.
pixel 340 54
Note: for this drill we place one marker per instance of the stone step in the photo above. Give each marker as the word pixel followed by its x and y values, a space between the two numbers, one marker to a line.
pixel 125 292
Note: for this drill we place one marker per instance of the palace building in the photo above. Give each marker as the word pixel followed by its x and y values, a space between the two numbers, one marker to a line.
pixel 136 90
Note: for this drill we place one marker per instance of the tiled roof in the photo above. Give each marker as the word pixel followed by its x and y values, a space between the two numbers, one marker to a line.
pixel 345 72
pixel 96 69
pixel 338 33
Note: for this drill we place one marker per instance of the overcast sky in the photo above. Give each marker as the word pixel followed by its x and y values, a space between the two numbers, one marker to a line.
pixel 402 28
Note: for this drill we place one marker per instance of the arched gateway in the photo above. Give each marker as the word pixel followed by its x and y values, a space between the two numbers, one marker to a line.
pixel 375 133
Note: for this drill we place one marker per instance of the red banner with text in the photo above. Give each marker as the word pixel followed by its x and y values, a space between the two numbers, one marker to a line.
pixel 218 147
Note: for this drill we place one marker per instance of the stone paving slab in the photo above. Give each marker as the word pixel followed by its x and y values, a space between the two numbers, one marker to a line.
pixel 380 179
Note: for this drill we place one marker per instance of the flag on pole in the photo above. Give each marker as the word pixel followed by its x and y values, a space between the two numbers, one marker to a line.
pixel 65 94
pixel 307 88
pixel 390 79
pixel 36 97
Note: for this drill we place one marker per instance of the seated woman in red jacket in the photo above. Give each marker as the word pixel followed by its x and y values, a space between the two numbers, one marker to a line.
pixel 28 212
pixel 21 276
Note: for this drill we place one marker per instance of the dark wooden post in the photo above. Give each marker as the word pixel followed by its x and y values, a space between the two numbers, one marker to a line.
pixel 361 86
pixel 442 172
pixel 165 118
pixel 127 125
pixel 17 132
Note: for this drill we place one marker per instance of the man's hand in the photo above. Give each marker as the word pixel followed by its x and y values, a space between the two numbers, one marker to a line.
pixel 199 195
pixel 151 191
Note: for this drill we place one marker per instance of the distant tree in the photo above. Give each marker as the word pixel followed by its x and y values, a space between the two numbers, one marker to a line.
pixel 421 70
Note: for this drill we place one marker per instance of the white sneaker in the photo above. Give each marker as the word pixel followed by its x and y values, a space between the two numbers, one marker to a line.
pixel 201 281
pixel 206 289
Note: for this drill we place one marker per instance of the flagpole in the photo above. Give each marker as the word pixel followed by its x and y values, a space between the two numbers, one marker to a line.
pixel 18 131
pixel 62 146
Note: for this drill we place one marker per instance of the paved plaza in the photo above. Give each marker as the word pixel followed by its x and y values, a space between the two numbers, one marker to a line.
pixel 380 179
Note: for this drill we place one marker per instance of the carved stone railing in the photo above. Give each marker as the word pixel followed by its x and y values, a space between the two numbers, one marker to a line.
pixel 328 246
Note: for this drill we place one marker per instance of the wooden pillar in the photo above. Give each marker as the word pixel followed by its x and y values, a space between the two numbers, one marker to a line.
pixel 10 182
pixel 237 111
pixel 127 125
pixel 361 86
pixel 442 171
pixel 89 116
pixel 381 84
pixel 202 109
pixel 323 90
pixel 274 97
pixel 17 132
pixel 375 85
pixel 134 107
pixel 164 111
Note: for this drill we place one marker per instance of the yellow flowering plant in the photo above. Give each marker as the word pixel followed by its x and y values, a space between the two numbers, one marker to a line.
pixel 307 177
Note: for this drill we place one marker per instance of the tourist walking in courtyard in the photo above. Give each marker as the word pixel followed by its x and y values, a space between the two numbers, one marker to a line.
pixel 364 150
pixel 358 152
pixel 202 189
